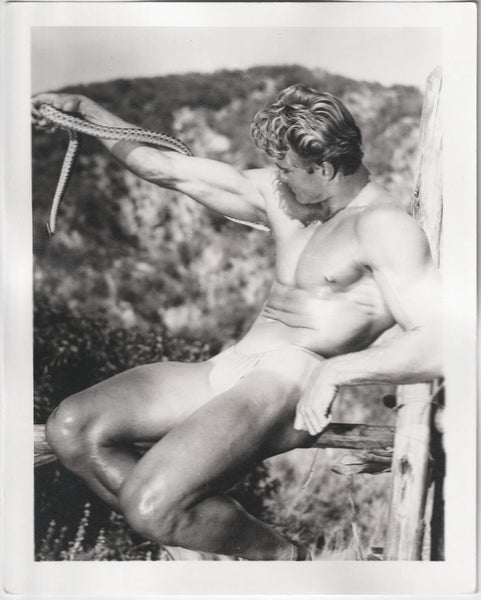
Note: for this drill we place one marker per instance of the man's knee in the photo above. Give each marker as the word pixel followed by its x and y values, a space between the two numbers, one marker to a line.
pixel 71 431
pixel 154 511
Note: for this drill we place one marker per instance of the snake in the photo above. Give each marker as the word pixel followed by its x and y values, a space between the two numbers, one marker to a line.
pixel 74 125
pixel 54 118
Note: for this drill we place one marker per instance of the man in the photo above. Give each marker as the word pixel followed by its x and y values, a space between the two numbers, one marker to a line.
pixel 350 264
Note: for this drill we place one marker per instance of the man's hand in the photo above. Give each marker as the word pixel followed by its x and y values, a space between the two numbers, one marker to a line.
pixel 65 102
pixel 313 412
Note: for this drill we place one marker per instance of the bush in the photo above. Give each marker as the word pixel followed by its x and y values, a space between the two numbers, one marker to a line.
pixel 73 352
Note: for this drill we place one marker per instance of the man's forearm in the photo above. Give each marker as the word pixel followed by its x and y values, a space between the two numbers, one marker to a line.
pixel 96 113
pixel 136 156
pixel 411 357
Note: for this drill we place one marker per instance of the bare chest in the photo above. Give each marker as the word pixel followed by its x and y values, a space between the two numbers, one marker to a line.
pixel 321 257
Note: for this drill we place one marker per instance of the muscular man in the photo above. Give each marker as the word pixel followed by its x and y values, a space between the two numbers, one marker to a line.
pixel 350 264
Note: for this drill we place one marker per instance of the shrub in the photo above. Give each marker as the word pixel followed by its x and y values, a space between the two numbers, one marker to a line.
pixel 73 352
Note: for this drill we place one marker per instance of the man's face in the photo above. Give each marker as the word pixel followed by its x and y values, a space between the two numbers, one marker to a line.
pixel 307 185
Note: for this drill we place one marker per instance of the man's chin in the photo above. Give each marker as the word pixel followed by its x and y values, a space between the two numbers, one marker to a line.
pixel 309 202
pixel 303 201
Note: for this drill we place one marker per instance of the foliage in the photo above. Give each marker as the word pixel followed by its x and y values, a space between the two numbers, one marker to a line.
pixel 73 352
pixel 114 541
pixel 256 490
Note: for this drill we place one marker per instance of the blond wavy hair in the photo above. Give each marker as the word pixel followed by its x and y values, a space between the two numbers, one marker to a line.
pixel 315 125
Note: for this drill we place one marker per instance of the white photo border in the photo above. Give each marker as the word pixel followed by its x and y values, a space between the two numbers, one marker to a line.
pixel 457 574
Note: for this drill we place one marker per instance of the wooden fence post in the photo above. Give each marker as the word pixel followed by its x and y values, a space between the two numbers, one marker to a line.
pixel 413 435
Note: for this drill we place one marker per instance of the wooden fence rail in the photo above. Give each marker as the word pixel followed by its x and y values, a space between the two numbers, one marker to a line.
pixel 352 436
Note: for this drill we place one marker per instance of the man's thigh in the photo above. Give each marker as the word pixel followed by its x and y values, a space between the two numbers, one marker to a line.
pixel 144 403
pixel 218 443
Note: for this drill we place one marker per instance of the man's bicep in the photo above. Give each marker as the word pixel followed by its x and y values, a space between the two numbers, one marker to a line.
pixel 397 251
pixel 216 185
pixel 413 297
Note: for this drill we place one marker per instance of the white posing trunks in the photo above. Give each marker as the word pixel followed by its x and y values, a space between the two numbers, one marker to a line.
pixel 231 365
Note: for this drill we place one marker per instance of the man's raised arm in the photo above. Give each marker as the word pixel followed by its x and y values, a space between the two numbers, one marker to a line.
pixel 214 184
pixel 394 247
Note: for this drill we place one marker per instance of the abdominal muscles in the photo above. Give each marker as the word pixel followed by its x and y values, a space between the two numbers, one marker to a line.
pixel 325 320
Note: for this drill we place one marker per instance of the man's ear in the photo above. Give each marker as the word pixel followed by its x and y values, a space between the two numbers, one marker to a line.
pixel 327 170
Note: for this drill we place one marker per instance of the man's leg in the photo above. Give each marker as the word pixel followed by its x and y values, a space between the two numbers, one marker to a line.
pixel 174 493
pixel 92 432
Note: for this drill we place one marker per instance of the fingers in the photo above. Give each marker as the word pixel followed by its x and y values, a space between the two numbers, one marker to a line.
pixel 302 422
pixel 57 100
pixel 65 102
pixel 317 422
pixel 310 420
pixel 313 412
pixel 305 424
pixel 39 99
pixel 299 422
pixel 314 415
pixel 36 102
pixel 39 122
pixel 44 98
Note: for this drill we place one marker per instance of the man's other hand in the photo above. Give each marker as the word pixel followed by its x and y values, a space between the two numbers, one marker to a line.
pixel 313 413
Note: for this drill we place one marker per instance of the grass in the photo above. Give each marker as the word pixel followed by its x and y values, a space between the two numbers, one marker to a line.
pixel 337 517
pixel 114 542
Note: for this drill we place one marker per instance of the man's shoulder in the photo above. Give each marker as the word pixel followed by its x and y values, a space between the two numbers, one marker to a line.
pixel 261 178
pixel 387 227
pixel 384 212
pixel 260 175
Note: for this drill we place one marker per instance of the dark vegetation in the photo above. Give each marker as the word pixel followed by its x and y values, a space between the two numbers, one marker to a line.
pixel 137 274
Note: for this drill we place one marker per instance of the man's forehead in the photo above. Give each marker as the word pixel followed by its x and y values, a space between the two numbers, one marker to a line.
pixel 293 161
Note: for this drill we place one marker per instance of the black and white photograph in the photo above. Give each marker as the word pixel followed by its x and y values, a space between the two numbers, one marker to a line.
pixel 240 282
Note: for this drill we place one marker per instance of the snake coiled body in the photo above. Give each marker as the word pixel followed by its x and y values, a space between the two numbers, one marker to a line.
pixel 75 125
